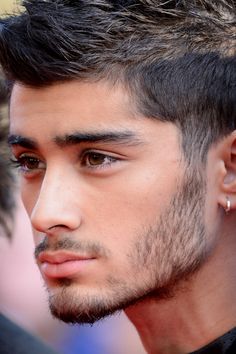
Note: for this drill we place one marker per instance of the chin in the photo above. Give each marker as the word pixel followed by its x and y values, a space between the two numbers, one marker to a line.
pixel 80 307
pixel 77 304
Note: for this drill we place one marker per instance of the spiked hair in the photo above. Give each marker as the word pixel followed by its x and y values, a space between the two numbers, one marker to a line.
pixel 177 58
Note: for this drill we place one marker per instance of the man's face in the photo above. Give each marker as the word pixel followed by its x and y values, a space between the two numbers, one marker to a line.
pixel 115 216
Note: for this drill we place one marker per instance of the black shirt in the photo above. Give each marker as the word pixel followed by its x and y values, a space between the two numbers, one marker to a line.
pixel 225 344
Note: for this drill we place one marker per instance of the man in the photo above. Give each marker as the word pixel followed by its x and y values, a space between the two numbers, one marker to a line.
pixel 13 339
pixel 123 121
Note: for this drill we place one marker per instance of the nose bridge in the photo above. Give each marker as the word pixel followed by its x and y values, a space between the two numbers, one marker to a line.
pixel 55 204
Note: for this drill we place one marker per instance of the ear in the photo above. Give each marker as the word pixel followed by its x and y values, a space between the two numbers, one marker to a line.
pixel 227 173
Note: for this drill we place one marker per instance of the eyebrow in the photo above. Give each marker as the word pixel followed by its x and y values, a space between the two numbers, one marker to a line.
pixel 96 137
pixel 15 140
pixel 124 137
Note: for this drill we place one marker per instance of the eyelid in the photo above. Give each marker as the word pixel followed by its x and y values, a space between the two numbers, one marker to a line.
pixel 20 154
pixel 98 151
pixel 103 152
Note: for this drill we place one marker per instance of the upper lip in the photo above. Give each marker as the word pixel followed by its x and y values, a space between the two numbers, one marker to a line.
pixel 60 257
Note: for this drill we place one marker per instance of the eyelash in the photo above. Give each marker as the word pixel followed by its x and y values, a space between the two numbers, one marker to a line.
pixel 22 161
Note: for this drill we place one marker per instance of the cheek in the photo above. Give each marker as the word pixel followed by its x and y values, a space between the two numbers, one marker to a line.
pixel 29 194
pixel 133 200
pixel 125 213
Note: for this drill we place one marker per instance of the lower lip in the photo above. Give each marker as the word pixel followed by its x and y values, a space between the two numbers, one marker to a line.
pixel 65 269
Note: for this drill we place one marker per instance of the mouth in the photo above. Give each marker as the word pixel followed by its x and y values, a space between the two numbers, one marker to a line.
pixel 62 264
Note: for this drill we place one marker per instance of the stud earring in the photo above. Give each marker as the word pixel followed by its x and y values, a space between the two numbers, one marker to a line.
pixel 228 205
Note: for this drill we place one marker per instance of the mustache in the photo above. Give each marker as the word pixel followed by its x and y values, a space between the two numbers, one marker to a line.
pixel 67 244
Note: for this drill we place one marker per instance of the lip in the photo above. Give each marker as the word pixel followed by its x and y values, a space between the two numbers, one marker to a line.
pixel 62 264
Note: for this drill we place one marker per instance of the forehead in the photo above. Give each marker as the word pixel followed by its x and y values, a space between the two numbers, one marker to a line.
pixel 68 103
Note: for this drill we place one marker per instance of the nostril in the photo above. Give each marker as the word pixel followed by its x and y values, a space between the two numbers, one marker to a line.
pixel 55 227
pixel 59 225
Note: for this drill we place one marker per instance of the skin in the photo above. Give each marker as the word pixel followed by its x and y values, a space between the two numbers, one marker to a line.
pixel 110 186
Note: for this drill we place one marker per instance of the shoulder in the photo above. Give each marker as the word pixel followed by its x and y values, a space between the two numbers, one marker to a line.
pixel 13 339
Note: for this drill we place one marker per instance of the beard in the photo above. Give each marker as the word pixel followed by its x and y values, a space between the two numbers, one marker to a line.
pixel 163 257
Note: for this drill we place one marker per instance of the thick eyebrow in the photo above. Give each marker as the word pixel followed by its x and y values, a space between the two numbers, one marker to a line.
pixel 18 140
pixel 126 137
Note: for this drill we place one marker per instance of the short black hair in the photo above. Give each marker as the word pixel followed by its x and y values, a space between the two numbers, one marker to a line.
pixel 6 175
pixel 175 57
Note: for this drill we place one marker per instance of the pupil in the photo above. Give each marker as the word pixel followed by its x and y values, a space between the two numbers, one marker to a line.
pixel 31 163
pixel 96 159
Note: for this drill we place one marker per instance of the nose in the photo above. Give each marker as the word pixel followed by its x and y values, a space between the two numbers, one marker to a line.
pixel 56 205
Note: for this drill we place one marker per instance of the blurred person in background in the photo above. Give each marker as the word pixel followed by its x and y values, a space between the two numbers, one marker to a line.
pixel 13 339
pixel 123 128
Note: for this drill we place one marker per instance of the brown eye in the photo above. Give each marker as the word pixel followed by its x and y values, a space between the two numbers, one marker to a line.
pixel 29 163
pixel 95 159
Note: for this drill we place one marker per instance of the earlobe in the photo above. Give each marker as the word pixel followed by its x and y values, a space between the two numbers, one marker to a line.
pixel 227 197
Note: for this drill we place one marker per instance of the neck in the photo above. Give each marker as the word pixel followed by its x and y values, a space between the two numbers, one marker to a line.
pixel 203 310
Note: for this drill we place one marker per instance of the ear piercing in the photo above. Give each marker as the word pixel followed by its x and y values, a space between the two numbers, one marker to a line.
pixel 228 205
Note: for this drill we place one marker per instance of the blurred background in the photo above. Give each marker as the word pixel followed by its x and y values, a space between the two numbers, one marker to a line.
pixel 23 297
pixel 7 5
